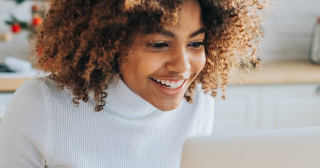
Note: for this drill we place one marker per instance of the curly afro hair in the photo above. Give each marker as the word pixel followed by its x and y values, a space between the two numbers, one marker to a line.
pixel 78 42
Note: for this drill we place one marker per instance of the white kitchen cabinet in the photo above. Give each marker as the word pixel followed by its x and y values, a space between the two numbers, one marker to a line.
pixel 5 97
pixel 287 106
pixel 238 112
pixel 260 107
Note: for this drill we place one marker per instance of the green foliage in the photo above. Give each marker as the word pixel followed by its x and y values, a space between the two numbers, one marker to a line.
pixel 9 22
pixel 19 1
pixel 14 19
pixel 24 25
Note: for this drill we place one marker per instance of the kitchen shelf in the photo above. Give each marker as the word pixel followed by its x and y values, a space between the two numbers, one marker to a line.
pixel 289 72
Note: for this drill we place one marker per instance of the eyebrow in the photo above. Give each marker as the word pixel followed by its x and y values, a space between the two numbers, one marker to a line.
pixel 171 34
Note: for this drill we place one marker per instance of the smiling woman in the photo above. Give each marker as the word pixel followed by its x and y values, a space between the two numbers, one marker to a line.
pixel 132 63
pixel 86 44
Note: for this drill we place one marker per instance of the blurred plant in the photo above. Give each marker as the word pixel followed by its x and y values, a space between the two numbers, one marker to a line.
pixel 250 64
pixel 18 25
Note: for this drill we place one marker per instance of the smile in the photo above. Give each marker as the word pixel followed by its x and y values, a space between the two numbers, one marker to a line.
pixel 169 84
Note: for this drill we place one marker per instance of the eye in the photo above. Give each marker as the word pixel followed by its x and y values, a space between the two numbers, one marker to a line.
pixel 196 45
pixel 157 46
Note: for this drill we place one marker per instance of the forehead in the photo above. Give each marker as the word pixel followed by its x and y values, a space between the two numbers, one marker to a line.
pixel 189 18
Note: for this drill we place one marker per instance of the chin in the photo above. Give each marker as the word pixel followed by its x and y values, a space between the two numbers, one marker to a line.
pixel 168 107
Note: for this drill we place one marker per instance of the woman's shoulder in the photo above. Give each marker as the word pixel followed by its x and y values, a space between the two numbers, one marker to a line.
pixel 39 90
pixel 36 83
pixel 30 95
pixel 25 122
pixel 32 87
pixel 41 85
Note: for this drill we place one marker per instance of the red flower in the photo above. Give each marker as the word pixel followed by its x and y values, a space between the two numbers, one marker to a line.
pixel 35 8
pixel 36 21
pixel 16 28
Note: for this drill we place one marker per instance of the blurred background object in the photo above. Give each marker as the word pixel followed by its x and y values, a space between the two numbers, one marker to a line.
pixel 289 30
pixel 17 65
pixel 6 37
pixel 18 19
pixel 18 25
pixel 315 44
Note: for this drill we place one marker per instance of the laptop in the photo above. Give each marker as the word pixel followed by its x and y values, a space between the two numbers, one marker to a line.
pixel 285 148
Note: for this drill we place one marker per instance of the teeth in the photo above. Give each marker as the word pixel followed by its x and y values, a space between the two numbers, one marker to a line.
pixel 172 85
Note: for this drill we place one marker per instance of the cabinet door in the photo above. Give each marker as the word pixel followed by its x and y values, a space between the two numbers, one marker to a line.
pixel 288 106
pixel 238 112
pixel 5 97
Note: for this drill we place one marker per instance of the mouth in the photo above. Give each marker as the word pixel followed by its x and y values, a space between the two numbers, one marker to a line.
pixel 170 84
pixel 169 87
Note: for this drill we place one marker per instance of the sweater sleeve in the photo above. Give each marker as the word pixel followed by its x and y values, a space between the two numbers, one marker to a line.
pixel 206 118
pixel 23 129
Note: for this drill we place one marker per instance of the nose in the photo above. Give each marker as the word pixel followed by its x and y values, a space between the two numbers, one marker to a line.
pixel 179 62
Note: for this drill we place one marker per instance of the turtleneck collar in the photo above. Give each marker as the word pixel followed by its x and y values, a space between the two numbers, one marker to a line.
pixel 126 102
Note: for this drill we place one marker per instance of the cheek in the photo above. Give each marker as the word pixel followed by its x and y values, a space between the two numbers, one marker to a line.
pixel 199 61
pixel 149 65
pixel 142 66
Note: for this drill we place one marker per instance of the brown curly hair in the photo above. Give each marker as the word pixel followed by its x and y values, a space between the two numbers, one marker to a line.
pixel 78 42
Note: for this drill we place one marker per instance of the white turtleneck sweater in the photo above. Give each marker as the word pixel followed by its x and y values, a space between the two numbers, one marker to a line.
pixel 42 128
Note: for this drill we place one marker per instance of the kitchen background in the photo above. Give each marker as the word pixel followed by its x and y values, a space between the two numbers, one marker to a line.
pixel 288 29
pixel 285 93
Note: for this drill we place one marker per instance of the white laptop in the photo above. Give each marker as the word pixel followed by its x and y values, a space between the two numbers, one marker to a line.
pixel 286 148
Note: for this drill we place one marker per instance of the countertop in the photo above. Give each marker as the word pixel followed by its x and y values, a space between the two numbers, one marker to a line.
pixel 288 72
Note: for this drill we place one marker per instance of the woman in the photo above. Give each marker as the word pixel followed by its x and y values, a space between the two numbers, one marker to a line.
pixel 131 63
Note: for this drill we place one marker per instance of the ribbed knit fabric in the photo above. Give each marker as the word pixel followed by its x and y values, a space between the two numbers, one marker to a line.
pixel 41 127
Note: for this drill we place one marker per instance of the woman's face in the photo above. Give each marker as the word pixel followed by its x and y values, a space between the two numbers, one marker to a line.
pixel 174 57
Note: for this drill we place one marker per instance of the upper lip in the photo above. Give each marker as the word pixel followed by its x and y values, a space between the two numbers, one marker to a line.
pixel 170 78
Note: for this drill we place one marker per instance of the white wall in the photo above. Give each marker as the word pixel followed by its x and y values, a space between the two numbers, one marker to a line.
pixel 288 29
